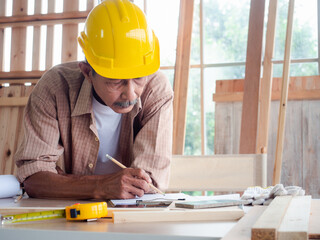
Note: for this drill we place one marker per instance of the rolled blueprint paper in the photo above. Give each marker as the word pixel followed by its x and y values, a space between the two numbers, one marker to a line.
pixel 9 186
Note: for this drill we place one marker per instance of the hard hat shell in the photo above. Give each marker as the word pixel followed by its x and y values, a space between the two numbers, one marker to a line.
pixel 117 41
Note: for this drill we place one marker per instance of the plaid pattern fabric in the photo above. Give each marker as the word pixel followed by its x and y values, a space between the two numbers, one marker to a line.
pixel 60 130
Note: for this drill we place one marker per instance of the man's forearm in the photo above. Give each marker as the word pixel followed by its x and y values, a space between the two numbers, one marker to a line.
pixel 126 183
pixel 51 185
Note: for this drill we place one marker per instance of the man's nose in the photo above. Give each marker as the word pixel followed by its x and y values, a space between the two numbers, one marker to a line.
pixel 128 91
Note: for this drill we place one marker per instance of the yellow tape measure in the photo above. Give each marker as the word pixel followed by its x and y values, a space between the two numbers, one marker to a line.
pixel 75 212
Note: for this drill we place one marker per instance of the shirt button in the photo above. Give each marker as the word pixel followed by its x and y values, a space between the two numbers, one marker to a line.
pixel 97 139
pixel 90 165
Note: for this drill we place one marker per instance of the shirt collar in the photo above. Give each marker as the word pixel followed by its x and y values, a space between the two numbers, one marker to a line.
pixel 84 101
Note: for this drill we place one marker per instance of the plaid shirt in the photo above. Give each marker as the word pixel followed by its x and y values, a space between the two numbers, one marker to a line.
pixel 60 129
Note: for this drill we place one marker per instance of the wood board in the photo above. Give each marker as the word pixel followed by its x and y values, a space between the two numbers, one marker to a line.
pixel 208 203
pixel 295 222
pixel 268 223
pixel 173 215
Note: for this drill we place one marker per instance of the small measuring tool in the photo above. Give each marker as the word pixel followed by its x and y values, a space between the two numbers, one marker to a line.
pixel 87 211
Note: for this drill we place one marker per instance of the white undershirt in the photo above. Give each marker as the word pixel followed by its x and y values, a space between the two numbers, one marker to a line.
pixel 108 125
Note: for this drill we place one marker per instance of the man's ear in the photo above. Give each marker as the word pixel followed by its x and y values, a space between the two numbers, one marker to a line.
pixel 86 70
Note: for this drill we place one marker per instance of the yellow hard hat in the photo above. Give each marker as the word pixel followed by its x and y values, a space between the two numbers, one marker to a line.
pixel 117 41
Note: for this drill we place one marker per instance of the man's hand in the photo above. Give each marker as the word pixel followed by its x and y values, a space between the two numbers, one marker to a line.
pixel 127 183
pixel 124 184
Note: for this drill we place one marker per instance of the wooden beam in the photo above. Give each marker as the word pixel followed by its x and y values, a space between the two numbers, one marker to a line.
pixel 242 230
pixel 295 223
pixel 284 97
pixel 21 74
pixel 40 19
pixel 181 75
pixel 69 35
pixel 314 230
pixel 266 83
pixel 18 36
pixel 250 107
pixel 50 38
pixel 268 223
pixel 36 39
pixel 292 95
pixel 2 13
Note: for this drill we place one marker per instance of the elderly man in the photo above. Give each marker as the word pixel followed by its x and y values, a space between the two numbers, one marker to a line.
pixel 116 103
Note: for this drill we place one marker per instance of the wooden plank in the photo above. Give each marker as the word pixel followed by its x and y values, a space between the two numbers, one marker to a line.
pixel 36 39
pixel 311 152
pixel 2 13
pixel 18 38
pixel 242 230
pixel 215 214
pixel 267 225
pixel 69 34
pixel 9 119
pixel 295 223
pixel 50 37
pixel 284 96
pixel 217 172
pixel 19 81
pixel 292 95
pixel 314 227
pixel 266 83
pixel 181 75
pixel 43 19
pixel 47 22
pixel 292 169
pixel 250 107
pixel 21 74
pixel 223 137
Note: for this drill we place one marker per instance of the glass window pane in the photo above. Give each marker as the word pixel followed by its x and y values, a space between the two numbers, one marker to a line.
pixel 297 69
pixel 225 30
pixel 305 33
pixel 164 21
pixel 195 41
pixel 193 123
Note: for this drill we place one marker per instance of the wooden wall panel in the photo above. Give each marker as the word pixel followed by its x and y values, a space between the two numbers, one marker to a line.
pixel 36 38
pixel 2 13
pixel 69 34
pixel 18 37
pixel 301 153
pixel 311 140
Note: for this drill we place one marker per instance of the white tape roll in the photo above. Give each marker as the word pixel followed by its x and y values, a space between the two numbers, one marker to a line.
pixel 9 186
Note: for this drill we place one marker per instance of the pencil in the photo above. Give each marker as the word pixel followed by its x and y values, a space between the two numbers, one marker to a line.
pixel 123 166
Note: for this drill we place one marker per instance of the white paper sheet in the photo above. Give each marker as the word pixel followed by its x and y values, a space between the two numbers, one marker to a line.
pixel 150 197
pixel 9 186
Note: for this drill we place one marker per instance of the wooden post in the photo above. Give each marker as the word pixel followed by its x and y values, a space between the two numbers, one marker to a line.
pixel 181 75
pixel 69 35
pixel 284 97
pixel 50 37
pixel 266 82
pixel 18 38
pixel 36 39
pixel 250 106
pixel 2 13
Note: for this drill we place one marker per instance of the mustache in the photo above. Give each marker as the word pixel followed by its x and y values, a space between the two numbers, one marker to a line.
pixel 126 104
